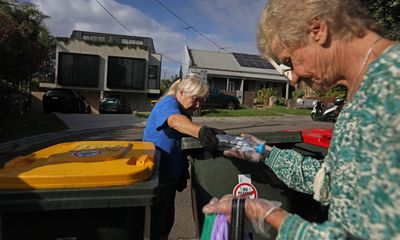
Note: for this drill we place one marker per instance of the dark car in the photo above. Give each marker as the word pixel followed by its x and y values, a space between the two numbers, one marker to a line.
pixel 114 104
pixel 65 101
pixel 218 99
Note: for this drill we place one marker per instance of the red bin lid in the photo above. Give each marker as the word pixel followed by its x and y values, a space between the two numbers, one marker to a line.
pixel 319 136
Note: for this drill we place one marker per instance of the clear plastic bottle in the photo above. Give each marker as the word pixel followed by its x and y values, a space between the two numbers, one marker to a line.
pixel 245 144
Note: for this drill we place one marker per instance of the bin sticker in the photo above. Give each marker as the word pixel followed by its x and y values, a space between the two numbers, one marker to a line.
pixel 245 190
pixel 108 147
pixel 244 178
pixel 86 153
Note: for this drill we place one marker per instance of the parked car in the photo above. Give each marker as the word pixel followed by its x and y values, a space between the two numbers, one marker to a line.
pixel 65 101
pixel 114 104
pixel 218 99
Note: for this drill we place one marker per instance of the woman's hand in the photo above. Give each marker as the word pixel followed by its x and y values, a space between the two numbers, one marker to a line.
pixel 259 212
pixel 208 139
pixel 249 155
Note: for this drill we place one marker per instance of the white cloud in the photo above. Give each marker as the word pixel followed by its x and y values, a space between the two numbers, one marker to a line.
pixel 230 23
pixel 88 15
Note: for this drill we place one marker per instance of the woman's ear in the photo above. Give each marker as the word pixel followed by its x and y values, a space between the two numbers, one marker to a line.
pixel 180 94
pixel 318 30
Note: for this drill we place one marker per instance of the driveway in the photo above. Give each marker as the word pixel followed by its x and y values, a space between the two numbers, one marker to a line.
pixel 78 122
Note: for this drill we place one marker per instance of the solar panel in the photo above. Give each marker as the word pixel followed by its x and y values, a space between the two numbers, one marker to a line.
pixel 252 61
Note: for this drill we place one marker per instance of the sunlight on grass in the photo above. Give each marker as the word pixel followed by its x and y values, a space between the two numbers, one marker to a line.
pixel 142 114
pixel 246 112
pixel 243 112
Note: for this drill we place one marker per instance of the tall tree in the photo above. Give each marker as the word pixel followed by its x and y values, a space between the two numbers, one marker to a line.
pixel 24 44
pixel 387 14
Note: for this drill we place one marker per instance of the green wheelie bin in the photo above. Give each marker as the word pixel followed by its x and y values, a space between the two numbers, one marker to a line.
pixel 79 190
pixel 214 175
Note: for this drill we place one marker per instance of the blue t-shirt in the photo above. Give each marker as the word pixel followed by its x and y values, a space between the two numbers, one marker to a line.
pixel 166 139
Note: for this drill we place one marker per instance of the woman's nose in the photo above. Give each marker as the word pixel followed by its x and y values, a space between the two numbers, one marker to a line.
pixel 295 79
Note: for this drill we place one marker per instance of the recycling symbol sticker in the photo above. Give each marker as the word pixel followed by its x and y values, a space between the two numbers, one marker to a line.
pixel 86 153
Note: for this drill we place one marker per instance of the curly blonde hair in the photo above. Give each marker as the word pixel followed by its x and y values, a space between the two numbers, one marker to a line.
pixel 285 22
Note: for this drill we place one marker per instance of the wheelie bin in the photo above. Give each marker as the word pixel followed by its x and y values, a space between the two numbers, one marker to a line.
pixel 214 175
pixel 79 190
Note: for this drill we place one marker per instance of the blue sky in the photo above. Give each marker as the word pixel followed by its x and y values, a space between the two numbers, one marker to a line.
pixel 229 23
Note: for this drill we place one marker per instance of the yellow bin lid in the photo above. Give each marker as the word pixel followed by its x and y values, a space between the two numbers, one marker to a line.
pixel 81 164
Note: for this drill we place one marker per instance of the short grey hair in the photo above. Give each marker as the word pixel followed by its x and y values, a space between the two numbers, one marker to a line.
pixel 286 22
pixel 193 85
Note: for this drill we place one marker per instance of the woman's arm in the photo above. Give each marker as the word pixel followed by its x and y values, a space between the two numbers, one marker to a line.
pixel 184 125
pixel 296 171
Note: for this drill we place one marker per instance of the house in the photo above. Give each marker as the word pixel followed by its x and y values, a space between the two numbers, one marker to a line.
pixel 97 64
pixel 237 74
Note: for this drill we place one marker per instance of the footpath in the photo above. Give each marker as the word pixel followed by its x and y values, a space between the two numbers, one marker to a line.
pixel 77 124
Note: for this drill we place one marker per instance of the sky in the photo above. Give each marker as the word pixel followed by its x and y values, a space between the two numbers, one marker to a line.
pixel 231 24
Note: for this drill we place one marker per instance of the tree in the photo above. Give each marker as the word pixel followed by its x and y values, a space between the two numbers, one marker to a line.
pixel 24 45
pixel 164 85
pixel 387 14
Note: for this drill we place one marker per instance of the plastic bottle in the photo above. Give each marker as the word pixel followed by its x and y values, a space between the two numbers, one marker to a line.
pixel 246 144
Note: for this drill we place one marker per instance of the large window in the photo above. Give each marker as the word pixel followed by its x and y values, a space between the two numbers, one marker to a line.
pixel 125 73
pixel 78 70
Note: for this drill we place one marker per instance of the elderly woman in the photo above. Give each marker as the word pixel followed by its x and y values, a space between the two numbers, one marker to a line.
pixel 169 120
pixel 327 43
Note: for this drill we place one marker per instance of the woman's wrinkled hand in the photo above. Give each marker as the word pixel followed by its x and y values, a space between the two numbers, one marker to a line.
pixel 223 206
pixel 256 211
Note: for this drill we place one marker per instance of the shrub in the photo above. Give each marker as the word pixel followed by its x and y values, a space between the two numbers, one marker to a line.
pixel 298 93
pixel 281 101
pixel 337 92
pixel 264 94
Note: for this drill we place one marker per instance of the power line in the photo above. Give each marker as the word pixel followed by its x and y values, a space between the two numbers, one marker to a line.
pixel 116 19
pixel 127 29
pixel 192 27
pixel 171 59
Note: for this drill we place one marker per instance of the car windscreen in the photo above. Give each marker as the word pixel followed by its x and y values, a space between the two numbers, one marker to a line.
pixel 59 93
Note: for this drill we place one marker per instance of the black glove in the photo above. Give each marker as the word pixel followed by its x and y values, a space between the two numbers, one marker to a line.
pixel 208 139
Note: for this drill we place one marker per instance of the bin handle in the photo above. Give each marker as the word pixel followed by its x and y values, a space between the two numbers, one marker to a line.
pixel 237 219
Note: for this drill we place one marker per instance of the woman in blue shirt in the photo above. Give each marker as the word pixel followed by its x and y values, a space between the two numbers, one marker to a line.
pixel 169 121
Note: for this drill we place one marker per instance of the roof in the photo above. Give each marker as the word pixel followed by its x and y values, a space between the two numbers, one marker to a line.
pixel 233 64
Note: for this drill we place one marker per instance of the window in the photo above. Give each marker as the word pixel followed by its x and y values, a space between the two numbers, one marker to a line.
pixel 126 73
pixel 153 77
pixel 78 70
pixel 153 72
pixel 131 41
pixel 94 38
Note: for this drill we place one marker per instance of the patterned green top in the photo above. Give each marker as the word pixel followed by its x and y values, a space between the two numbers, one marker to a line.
pixel 362 166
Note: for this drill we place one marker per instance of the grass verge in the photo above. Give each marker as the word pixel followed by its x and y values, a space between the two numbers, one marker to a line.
pixel 14 126
pixel 251 112
pixel 243 112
